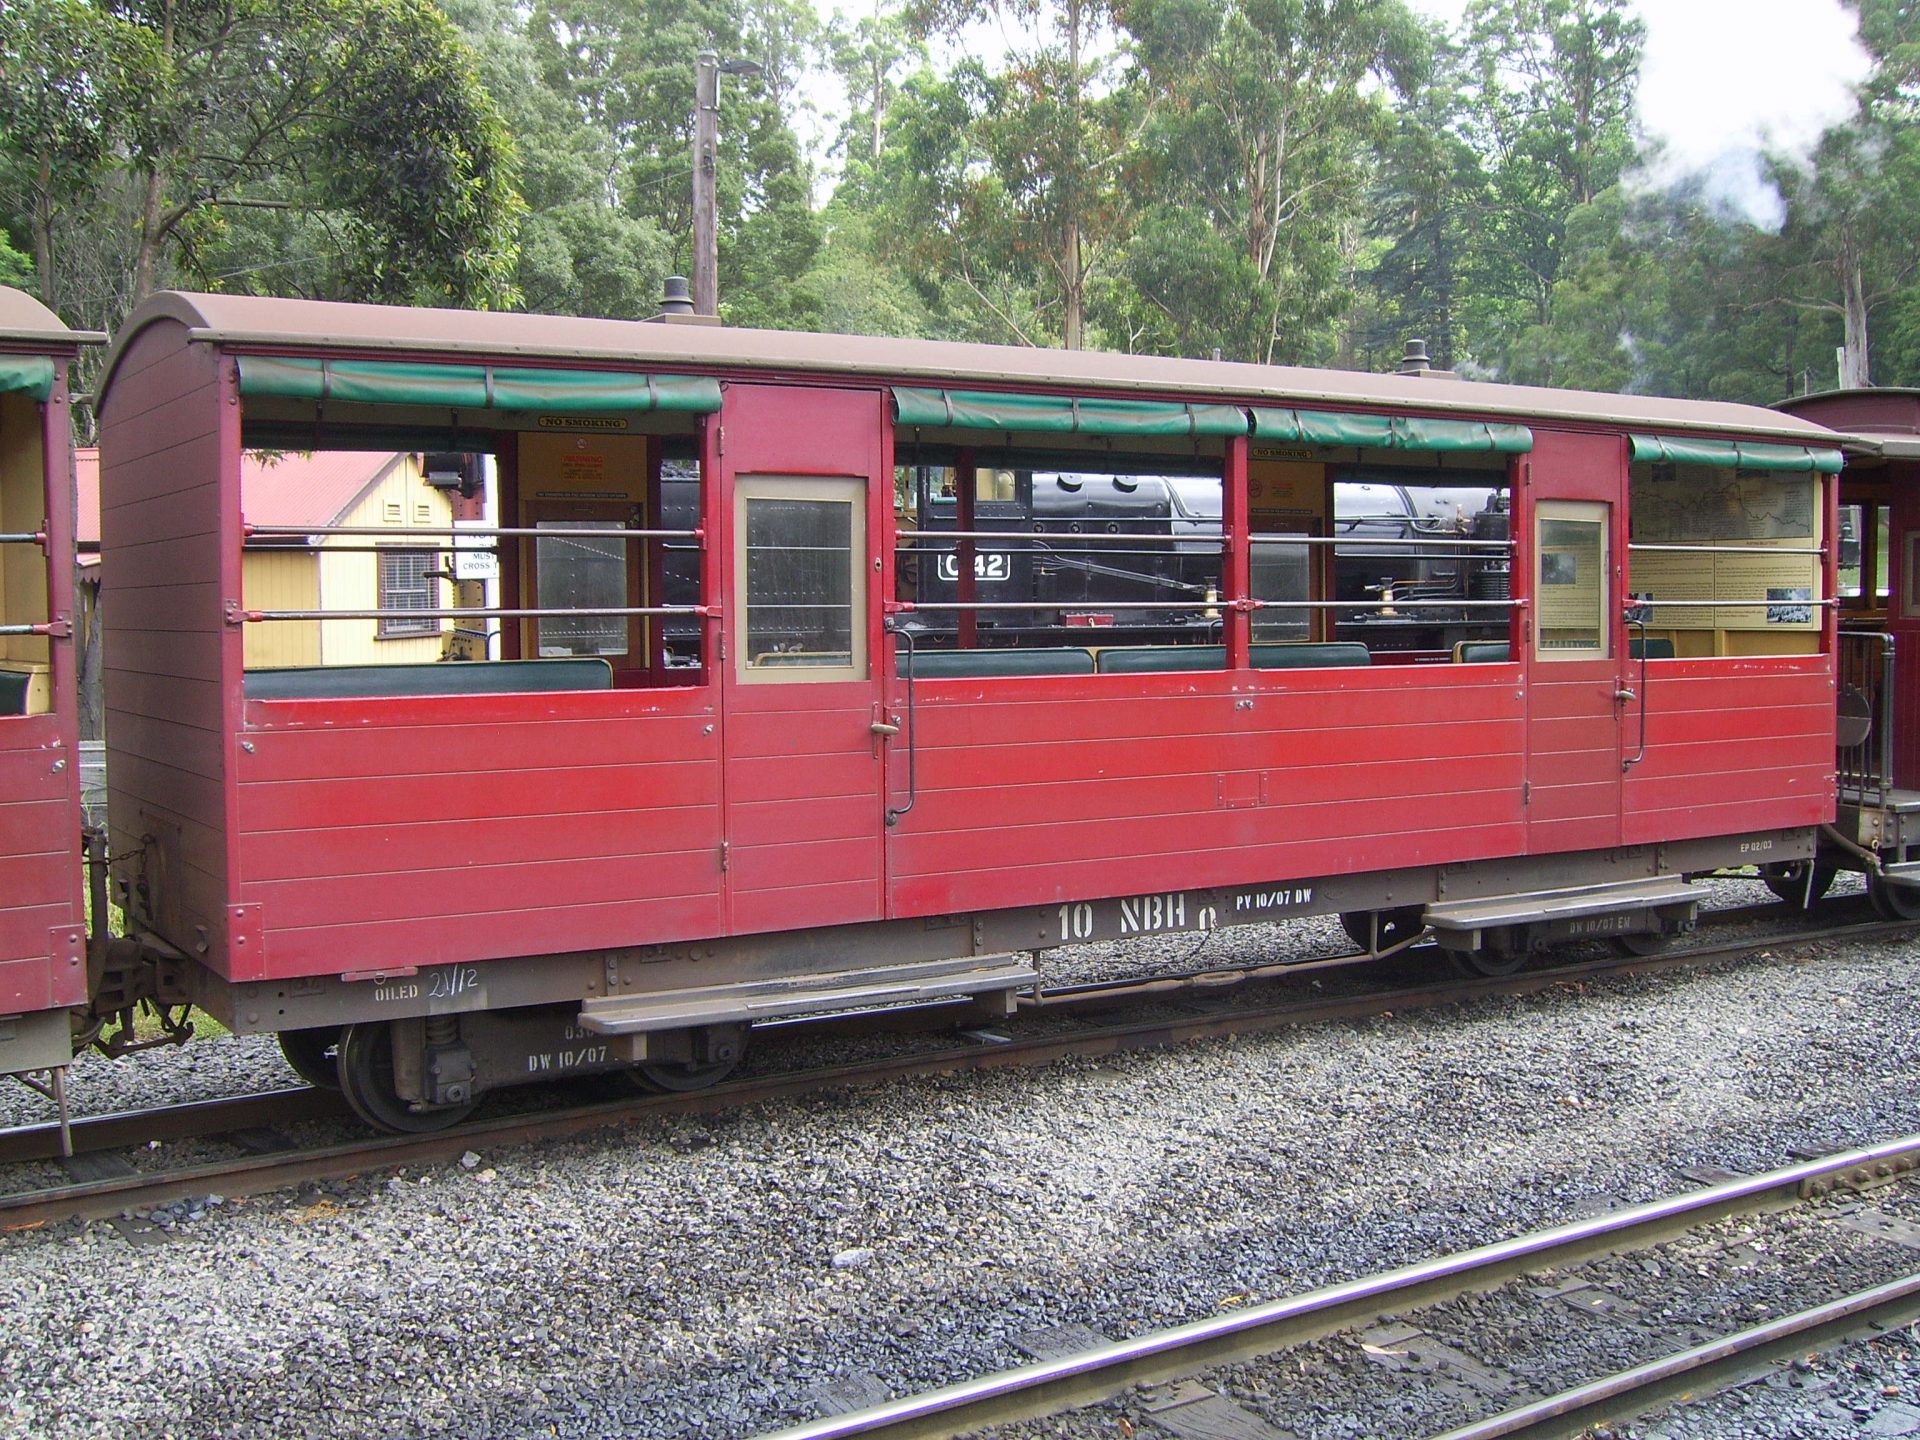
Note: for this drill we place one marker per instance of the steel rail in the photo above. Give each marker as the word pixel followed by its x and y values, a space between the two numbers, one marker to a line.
pixel 1704 1368
pixel 192 1120
pixel 254 1174
pixel 1050 1387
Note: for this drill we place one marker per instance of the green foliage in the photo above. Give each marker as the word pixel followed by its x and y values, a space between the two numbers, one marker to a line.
pixel 337 147
pixel 1265 117
pixel 630 75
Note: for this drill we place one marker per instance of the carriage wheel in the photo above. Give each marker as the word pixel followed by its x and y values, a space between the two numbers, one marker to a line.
pixel 1893 902
pixel 1491 964
pixel 366 1080
pixel 1395 926
pixel 314 1055
pixel 1788 880
pixel 721 1048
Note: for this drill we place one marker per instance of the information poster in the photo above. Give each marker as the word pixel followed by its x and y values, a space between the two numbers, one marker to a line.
pixel 1762 518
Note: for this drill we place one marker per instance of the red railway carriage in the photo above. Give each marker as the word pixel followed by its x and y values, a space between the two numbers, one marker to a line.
pixel 42 920
pixel 1496 663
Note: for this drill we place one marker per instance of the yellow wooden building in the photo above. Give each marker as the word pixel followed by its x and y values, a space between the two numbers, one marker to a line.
pixel 349 488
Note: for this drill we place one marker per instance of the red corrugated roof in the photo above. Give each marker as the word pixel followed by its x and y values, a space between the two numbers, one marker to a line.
pixel 284 487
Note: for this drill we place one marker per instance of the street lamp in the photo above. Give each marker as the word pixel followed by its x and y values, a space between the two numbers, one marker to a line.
pixel 707 70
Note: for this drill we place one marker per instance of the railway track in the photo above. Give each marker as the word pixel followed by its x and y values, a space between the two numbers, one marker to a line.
pixel 1058 1024
pixel 1079 1380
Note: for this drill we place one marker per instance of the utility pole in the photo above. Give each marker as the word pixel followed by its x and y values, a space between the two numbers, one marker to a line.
pixel 707 70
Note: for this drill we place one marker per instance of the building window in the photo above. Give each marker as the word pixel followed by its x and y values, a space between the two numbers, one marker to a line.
pixel 407 583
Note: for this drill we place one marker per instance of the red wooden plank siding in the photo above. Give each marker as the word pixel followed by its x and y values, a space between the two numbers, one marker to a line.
pixel 1732 745
pixel 814 862
pixel 1327 773
pixel 39 771
pixel 163 444
pixel 367 847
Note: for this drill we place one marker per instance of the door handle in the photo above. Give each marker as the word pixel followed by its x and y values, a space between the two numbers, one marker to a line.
pixel 882 728
pixel 1625 696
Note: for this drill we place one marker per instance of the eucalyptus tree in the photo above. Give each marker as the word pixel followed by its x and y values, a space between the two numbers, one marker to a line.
pixel 344 145
pixel 629 72
pixel 1265 120
pixel 1550 114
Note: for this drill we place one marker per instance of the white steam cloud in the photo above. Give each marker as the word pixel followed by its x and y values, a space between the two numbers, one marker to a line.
pixel 1726 82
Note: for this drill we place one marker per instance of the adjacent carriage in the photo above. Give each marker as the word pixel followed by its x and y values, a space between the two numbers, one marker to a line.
pixel 43 956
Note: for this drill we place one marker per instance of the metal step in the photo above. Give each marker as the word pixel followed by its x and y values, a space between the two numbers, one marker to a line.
pixel 1546 906
pixel 839 990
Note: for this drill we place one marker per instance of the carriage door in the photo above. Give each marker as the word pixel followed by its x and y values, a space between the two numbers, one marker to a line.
pixel 1577 708
pixel 805 735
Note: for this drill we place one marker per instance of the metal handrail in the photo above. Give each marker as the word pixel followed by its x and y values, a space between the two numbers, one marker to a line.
pixel 1875 780
pixel 1105 537
pixel 473 613
pixel 1646 603
pixel 1101 537
pixel 283 532
pixel 1215 604
pixel 1728 549
pixel 1627 764
pixel 24 537
pixel 894 812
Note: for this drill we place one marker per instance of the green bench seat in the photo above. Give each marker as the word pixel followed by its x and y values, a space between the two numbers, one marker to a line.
pixel 974 664
pixel 1145 659
pixel 449 677
pixel 1482 652
pixel 13 691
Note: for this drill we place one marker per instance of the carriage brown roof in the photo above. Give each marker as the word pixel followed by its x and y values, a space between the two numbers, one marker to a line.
pixel 319 326
pixel 25 321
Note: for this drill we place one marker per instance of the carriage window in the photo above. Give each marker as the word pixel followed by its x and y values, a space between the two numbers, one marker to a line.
pixel 1069 550
pixel 1571 581
pixel 1424 561
pixel 1728 561
pixel 802 598
pixel 579 572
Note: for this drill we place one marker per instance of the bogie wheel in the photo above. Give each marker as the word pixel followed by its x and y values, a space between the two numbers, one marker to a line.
pixel 366 1080
pixel 716 1053
pixel 1643 942
pixel 314 1055
pixel 1491 964
pixel 1893 902
pixel 676 1077
pixel 1788 880
pixel 1395 927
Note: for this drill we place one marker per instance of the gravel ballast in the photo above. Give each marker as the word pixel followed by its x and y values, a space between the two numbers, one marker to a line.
pixel 706 1278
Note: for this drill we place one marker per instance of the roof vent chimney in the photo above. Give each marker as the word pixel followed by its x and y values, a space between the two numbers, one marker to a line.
pixel 676 305
pixel 1415 362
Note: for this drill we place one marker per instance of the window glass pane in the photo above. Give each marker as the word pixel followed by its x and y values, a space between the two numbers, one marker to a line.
pixel 1573 586
pixel 1883 528
pixel 581 572
pixel 1281 569
pixel 799 582
pixel 680 559
pixel 1851 517
pixel 406 583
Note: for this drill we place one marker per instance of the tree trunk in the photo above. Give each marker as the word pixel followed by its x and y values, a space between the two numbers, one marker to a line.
pixel 1854 360
pixel 43 238
pixel 1074 294
pixel 1072 276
